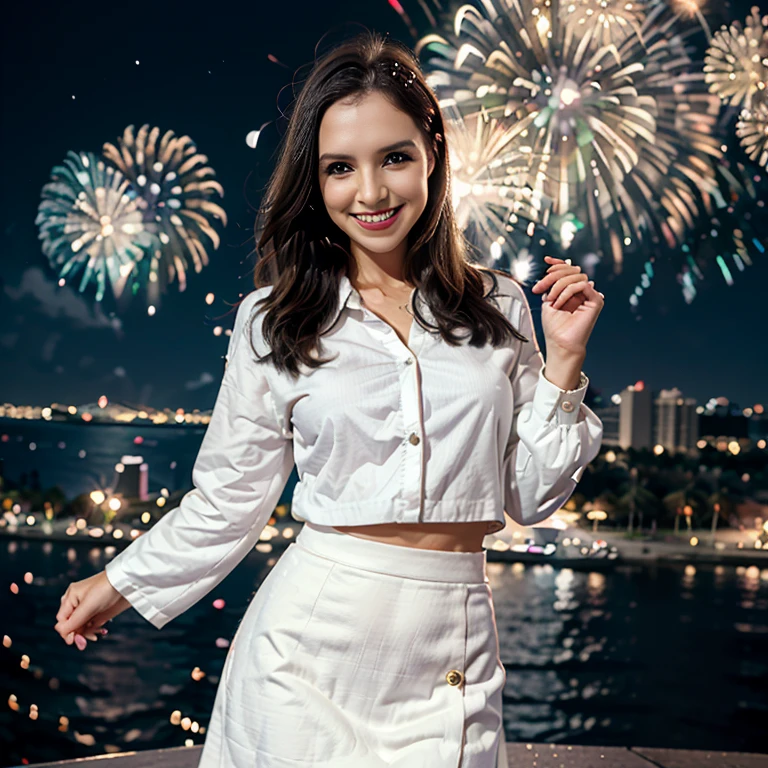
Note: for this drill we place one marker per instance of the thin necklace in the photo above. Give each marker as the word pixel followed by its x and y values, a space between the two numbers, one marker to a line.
pixel 404 307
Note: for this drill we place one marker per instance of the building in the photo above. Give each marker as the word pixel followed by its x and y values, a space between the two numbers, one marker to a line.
pixel 609 415
pixel 676 423
pixel 636 417
pixel 134 478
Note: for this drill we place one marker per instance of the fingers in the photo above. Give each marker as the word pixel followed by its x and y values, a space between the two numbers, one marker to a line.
pixel 569 291
pixel 594 294
pixel 85 607
pixel 562 283
pixel 554 273
pixel 558 269
pixel 73 617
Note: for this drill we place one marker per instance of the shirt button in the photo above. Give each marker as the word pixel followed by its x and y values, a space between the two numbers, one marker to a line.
pixel 414 439
pixel 409 360
pixel 454 677
pixel 567 406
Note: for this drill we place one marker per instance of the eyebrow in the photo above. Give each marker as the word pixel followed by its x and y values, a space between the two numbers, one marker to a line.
pixel 396 145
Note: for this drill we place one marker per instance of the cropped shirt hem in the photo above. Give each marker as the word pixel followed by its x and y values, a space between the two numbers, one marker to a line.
pixel 396 511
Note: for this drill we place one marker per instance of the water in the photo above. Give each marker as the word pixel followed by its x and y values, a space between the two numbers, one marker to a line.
pixel 80 458
pixel 664 657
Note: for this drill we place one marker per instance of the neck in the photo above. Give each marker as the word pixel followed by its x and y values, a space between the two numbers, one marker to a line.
pixel 385 270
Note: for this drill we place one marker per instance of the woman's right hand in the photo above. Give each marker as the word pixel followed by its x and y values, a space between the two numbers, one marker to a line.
pixel 85 607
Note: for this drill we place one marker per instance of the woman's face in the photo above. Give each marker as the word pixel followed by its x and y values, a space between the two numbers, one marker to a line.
pixel 373 158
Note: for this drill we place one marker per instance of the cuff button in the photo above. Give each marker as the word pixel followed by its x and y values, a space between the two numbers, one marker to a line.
pixel 567 406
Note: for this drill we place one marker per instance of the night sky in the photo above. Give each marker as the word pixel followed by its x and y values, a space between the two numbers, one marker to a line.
pixel 204 71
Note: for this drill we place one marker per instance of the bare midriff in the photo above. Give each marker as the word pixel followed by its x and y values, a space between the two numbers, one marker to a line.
pixel 453 537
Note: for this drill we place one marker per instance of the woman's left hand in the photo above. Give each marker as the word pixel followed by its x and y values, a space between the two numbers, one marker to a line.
pixel 570 309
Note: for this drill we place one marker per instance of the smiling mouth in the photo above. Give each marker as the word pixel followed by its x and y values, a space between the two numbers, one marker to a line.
pixel 378 217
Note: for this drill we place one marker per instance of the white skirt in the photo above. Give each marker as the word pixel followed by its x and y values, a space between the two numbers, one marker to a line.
pixel 360 654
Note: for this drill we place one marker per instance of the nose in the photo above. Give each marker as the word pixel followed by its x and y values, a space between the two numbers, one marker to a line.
pixel 372 193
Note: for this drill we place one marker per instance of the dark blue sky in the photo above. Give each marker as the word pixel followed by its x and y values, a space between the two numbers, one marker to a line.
pixel 204 71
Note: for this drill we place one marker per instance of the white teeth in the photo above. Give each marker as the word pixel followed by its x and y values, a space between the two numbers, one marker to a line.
pixel 373 219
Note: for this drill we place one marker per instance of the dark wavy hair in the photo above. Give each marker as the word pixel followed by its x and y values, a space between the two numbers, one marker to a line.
pixel 304 253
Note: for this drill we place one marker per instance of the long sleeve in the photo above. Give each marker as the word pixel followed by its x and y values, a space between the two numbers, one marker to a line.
pixel 553 437
pixel 242 466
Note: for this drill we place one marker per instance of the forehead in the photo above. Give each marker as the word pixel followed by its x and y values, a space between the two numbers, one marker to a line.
pixel 364 125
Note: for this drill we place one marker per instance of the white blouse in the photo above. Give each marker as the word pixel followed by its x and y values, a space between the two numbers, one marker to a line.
pixel 385 432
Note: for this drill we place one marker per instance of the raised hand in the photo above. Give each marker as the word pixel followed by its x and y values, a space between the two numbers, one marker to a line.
pixel 570 306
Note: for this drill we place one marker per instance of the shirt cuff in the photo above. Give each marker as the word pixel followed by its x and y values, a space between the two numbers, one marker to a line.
pixel 564 405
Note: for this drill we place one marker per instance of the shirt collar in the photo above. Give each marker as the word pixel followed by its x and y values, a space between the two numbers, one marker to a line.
pixel 349 297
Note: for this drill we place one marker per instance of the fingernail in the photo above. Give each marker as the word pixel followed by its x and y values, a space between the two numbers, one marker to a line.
pixel 103 631
pixel 80 642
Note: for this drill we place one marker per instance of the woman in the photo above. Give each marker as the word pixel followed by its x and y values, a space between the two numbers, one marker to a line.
pixel 373 641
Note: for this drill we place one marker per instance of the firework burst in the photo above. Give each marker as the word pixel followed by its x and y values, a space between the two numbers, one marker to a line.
pixel 487 177
pixel 736 62
pixel 90 218
pixel 181 199
pixel 609 21
pixel 618 135
pixel 752 129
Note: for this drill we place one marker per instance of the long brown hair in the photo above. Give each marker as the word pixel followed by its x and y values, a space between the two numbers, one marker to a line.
pixel 304 253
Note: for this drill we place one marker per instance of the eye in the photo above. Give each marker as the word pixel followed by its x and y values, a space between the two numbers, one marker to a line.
pixel 400 154
pixel 330 170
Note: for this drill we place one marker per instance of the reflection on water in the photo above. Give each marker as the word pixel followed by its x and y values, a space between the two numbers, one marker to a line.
pixel 672 657
pixel 660 656
pixel 81 457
